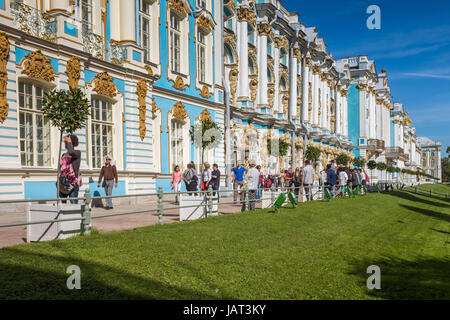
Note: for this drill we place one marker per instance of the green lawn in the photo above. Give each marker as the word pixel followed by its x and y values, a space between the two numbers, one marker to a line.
pixel 442 188
pixel 320 250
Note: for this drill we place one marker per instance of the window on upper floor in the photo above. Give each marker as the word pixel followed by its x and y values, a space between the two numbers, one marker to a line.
pixel 251 35
pixel 432 162
pixel 269 47
pixel 101 131
pixel 34 127
pixel 175 43
pixel 145 22
pixel 201 55
pixel 83 10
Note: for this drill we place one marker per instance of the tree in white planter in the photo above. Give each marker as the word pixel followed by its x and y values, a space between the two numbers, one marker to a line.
pixel 67 111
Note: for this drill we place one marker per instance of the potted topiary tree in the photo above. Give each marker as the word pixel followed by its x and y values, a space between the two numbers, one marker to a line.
pixel 312 154
pixel 206 135
pixel 67 111
pixel 371 165
pixel 359 162
pixel 381 166
pixel 342 158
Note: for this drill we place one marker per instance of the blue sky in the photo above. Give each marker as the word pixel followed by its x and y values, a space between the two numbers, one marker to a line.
pixel 413 45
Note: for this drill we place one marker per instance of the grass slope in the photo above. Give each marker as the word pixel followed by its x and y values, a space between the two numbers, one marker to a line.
pixel 320 250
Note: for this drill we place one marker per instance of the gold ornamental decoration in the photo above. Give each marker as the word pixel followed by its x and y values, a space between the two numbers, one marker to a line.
pixel 178 111
pixel 253 85
pixel 270 93
pixel 38 66
pixel 149 70
pixel 308 62
pixel 285 103
pixel 233 77
pixel 248 15
pixel 104 84
pixel 178 6
pixel 154 108
pixel 73 70
pixel 205 116
pixel 4 57
pixel 344 93
pixel 205 92
pixel 310 101
pixel 297 53
pixel 141 90
pixel 362 87
pixel 179 83
pixel 264 29
pixel 205 23
pixel 317 69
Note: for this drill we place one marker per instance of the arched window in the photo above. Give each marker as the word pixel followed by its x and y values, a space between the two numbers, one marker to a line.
pixel 283 83
pixel 101 131
pixel 251 67
pixel 283 57
pixel 228 54
pixel 269 75
pixel 34 127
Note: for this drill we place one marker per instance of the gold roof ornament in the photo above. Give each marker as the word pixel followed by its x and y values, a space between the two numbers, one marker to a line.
pixel 178 111
pixel 73 70
pixel 38 66
pixel 205 116
pixel 104 84
pixel 4 57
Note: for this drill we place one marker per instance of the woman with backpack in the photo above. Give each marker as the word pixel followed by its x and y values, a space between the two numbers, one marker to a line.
pixel 70 178
pixel 297 180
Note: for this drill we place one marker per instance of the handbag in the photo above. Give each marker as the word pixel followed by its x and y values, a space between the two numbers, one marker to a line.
pixel 65 185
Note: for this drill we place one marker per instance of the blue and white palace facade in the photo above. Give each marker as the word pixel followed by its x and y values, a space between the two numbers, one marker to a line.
pixel 153 68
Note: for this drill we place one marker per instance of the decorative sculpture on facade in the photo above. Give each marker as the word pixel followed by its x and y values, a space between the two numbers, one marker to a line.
pixel 73 70
pixel 179 83
pixel 4 57
pixel 141 90
pixel 205 116
pixel 205 92
pixel 178 111
pixel 104 84
pixel 38 66
pixel 233 77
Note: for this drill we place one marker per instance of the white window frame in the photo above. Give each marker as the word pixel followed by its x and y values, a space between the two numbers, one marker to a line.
pixel 81 7
pixel 201 56
pixel 101 123
pixel 176 143
pixel 145 15
pixel 31 157
pixel 175 42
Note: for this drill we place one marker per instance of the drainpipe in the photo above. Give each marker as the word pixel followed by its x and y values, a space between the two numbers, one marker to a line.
pixel 226 97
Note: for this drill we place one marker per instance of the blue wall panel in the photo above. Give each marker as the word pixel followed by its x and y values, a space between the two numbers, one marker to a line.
pixel 353 114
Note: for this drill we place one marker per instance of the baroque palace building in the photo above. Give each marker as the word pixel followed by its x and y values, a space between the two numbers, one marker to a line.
pixel 153 68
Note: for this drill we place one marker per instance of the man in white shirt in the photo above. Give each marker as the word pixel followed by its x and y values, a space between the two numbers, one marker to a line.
pixel 308 179
pixel 251 178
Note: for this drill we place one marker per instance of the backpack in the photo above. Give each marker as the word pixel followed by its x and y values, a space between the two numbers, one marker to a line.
pixel 67 179
pixel 268 183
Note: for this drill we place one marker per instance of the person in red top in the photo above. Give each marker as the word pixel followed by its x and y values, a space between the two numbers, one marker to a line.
pixel 288 177
pixel 260 182
pixel 175 182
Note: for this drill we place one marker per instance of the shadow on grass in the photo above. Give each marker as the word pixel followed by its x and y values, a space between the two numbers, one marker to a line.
pixel 414 198
pixel 47 277
pixel 423 279
pixel 429 213
pixel 440 231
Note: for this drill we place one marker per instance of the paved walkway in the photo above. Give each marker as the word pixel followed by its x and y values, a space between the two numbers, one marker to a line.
pixel 17 213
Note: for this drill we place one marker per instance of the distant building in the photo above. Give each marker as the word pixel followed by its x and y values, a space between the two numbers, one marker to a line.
pixel 431 156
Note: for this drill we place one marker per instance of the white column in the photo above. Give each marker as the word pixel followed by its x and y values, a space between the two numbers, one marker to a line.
pixel 315 91
pixel 262 51
pixel 338 110
pixel 276 99
pixel 128 21
pixel 243 60
pixel 115 17
pixel 292 84
pixel 345 115
pixel 323 99
pixel 305 91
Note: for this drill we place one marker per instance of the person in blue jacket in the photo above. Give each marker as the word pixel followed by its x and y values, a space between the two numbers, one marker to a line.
pixel 331 178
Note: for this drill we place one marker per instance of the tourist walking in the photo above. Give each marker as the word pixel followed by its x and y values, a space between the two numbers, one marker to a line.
pixel 110 178
pixel 175 182
pixel 260 182
pixel 355 179
pixel 206 176
pixel 297 181
pixel 238 181
pixel 252 179
pixel 308 179
pixel 331 179
pixel 215 180
pixel 71 161
pixel 343 178
pixel 333 165
pixel 190 178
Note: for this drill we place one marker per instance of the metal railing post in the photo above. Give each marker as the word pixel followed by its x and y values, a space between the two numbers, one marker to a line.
pixel 160 205
pixel 246 199
pixel 209 200
pixel 272 193
pixel 86 213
